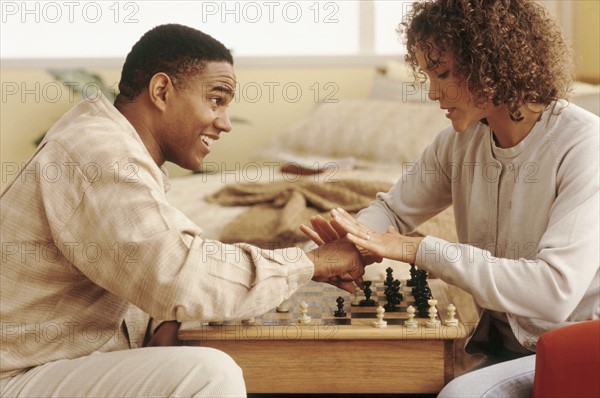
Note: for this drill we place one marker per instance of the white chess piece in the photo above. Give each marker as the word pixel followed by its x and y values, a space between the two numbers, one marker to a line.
pixel 249 321
pixel 304 319
pixel 356 297
pixel 451 321
pixel 380 323
pixel 284 306
pixel 432 322
pixel 411 317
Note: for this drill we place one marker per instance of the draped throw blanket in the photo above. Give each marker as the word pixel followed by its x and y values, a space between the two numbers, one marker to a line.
pixel 278 208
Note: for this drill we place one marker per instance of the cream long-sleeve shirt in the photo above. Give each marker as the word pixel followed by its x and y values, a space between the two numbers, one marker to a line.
pixel 527 220
pixel 88 239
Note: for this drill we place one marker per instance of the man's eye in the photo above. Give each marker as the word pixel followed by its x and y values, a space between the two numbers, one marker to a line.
pixel 216 100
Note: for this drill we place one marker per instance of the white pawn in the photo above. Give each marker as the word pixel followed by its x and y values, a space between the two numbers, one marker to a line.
pixel 411 317
pixel 432 322
pixel 451 321
pixel 380 323
pixel 304 319
pixel 356 298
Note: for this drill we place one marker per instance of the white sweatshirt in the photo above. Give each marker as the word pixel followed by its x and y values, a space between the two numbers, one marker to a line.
pixel 527 220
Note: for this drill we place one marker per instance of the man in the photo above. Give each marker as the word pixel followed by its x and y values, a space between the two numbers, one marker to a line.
pixel 92 252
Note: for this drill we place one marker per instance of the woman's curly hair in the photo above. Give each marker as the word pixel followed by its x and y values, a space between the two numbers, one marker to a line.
pixel 509 52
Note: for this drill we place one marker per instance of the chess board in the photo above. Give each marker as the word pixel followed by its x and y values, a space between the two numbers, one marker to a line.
pixel 278 354
pixel 321 300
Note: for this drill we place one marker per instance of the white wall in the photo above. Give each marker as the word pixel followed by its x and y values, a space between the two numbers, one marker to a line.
pixel 269 100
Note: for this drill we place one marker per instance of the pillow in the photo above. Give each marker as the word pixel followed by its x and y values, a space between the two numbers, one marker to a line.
pixel 587 96
pixel 398 84
pixel 371 131
pixel 387 88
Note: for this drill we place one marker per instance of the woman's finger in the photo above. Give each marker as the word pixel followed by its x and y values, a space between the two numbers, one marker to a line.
pixel 364 243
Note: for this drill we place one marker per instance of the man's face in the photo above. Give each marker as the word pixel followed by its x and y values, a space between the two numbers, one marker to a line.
pixel 197 114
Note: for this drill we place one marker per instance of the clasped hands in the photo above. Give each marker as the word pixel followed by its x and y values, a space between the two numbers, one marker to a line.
pixel 352 246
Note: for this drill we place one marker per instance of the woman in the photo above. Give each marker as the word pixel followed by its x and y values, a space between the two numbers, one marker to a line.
pixel 520 166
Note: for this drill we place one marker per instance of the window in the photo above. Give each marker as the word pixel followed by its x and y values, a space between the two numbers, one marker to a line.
pixel 99 30
pixel 107 29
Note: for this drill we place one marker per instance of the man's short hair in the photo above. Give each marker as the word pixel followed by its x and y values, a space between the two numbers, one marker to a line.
pixel 177 50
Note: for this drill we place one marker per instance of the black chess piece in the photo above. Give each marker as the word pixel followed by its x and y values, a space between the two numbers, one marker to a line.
pixel 413 276
pixel 393 296
pixel 389 278
pixel 390 296
pixel 340 308
pixel 422 293
pixel 367 302
pixel 398 295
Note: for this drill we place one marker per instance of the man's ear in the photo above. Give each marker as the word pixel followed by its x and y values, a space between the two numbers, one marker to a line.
pixel 159 89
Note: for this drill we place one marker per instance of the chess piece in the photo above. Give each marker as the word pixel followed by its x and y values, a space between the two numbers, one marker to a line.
pixel 411 317
pixel 389 278
pixel 392 295
pixel 284 306
pixel 216 323
pixel 399 296
pixel 304 319
pixel 413 276
pixel 421 292
pixel 432 322
pixel 451 321
pixel 249 322
pixel 380 323
pixel 340 308
pixel 356 297
pixel 368 302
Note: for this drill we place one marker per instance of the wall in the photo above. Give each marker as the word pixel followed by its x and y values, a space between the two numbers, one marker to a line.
pixel 268 101
pixel 31 101
pixel 586 18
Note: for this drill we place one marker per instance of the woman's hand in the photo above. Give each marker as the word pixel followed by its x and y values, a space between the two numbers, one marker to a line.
pixel 325 232
pixel 390 244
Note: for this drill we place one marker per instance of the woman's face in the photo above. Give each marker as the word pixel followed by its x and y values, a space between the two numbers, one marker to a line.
pixel 447 88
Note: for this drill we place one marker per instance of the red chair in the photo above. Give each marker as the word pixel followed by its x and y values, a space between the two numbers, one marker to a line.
pixel 568 362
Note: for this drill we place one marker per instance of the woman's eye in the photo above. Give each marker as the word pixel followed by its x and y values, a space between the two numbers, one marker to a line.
pixel 443 75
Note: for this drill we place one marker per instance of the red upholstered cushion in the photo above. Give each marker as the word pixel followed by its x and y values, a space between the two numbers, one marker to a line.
pixel 568 362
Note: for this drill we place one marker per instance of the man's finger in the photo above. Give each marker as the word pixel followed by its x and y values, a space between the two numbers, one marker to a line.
pixel 312 235
pixel 324 229
pixel 347 286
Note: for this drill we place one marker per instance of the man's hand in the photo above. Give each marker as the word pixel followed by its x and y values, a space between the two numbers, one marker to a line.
pixel 325 232
pixel 338 263
pixel 389 244
pixel 165 335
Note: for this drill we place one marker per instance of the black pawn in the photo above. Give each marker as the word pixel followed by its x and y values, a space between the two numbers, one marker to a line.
pixel 389 278
pixel 368 302
pixel 413 276
pixel 340 305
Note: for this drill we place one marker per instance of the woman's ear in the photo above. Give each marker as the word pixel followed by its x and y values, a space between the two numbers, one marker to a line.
pixel 159 90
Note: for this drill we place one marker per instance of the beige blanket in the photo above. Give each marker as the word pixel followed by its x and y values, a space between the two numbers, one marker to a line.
pixel 278 208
